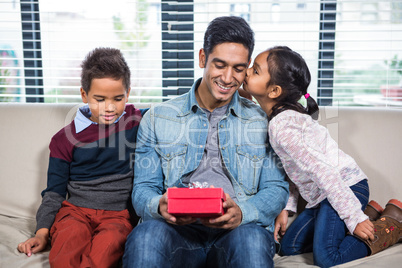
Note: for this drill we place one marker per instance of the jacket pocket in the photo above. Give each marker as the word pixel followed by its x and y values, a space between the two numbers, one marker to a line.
pixel 173 161
pixel 249 162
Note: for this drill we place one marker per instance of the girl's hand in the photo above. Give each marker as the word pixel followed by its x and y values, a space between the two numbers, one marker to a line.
pixel 281 223
pixel 365 230
pixel 35 244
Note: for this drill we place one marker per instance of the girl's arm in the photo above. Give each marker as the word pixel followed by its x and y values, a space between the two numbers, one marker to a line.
pixel 315 159
pixel 293 197
pixel 280 224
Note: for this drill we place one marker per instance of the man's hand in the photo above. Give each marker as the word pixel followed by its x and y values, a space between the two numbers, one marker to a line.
pixel 163 206
pixel 280 224
pixel 35 244
pixel 365 230
pixel 230 220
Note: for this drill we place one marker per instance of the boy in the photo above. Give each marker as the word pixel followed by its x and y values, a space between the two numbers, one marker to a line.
pixel 90 163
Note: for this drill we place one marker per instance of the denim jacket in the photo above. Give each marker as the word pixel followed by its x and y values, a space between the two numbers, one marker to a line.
pixel 170 144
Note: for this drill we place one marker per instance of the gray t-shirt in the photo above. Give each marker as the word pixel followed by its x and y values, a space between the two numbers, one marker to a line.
pixel 211 168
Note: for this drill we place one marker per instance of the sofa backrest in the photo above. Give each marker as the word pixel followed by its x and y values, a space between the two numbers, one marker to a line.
pixel 372 136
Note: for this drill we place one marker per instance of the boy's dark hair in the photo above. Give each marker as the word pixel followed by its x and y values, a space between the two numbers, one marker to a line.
pixel 288 70
pixel 228 29
pixel 104 63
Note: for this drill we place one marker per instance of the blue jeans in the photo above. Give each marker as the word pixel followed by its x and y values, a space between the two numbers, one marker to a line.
pixel 155 243
pixel 321 231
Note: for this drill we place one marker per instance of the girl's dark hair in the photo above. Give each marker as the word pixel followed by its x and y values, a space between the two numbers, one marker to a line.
pixel 228 29
pixel 104 63
pixel 288 70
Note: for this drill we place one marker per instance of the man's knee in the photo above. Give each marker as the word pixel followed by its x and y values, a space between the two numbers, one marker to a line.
pixel 250 246
pixel 254 236
pixel 146 243
pixel 149 231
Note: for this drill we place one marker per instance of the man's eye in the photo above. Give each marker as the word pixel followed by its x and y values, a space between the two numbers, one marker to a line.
pixel 239 70
pixel 220 66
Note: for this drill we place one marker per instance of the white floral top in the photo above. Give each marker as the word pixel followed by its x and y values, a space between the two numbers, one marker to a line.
pixel 316 166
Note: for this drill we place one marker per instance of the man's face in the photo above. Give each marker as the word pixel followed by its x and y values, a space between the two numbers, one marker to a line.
pixel 223 74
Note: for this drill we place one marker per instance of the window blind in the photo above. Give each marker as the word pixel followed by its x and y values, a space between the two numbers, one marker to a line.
pixel 353 48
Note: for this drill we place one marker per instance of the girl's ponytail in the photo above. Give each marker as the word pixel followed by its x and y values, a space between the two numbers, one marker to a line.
pixel 312 107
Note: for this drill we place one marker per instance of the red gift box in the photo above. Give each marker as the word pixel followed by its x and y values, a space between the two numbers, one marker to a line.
pixel 196 202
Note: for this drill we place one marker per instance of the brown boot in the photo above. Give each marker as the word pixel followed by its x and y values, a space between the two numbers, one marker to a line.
pixel 387 229
pixel 373 210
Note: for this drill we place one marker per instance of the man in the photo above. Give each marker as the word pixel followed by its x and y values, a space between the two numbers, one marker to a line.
pixel 209 134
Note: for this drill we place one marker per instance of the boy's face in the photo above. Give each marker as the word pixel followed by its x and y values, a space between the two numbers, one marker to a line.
pixel 107 99
pixel 223 74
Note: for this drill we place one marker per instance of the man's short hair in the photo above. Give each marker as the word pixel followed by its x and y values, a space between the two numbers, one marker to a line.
pixel 104 63
pixel 228 29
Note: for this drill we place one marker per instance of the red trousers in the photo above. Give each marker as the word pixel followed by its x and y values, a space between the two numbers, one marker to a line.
pixel 83 237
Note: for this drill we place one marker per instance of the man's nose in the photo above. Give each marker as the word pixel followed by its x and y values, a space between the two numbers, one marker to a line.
pixel 227 75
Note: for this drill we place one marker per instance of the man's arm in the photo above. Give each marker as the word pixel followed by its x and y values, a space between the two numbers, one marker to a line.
pixel 148 177
pixel 263 207
pixel 272 195
pixel 149 198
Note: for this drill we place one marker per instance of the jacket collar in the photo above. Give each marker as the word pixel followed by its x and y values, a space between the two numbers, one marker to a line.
pixel 191 104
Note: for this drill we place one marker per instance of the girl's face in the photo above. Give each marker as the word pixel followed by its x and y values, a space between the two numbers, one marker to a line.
pixel 257 77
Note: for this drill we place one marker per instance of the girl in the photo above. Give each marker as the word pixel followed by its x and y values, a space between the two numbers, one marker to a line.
pixel 331 182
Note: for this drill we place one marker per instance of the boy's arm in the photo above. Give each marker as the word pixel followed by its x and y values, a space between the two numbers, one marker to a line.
pixel 57 180
pixel 35 244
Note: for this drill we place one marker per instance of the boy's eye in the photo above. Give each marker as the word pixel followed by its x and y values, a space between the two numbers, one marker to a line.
pixel 99 100
pixel 118 99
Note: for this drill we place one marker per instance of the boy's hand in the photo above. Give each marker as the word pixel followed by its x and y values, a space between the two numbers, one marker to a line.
pixel 281 223
pixel 35 244
pixel 163 210
pixel 230 220
pixel 365 230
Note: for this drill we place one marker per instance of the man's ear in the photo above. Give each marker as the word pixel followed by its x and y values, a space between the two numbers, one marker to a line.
pixel 201 58
pixel 83 96
pixel 274 92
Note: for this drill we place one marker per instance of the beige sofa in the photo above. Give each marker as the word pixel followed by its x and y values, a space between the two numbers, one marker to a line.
pixel 372 136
